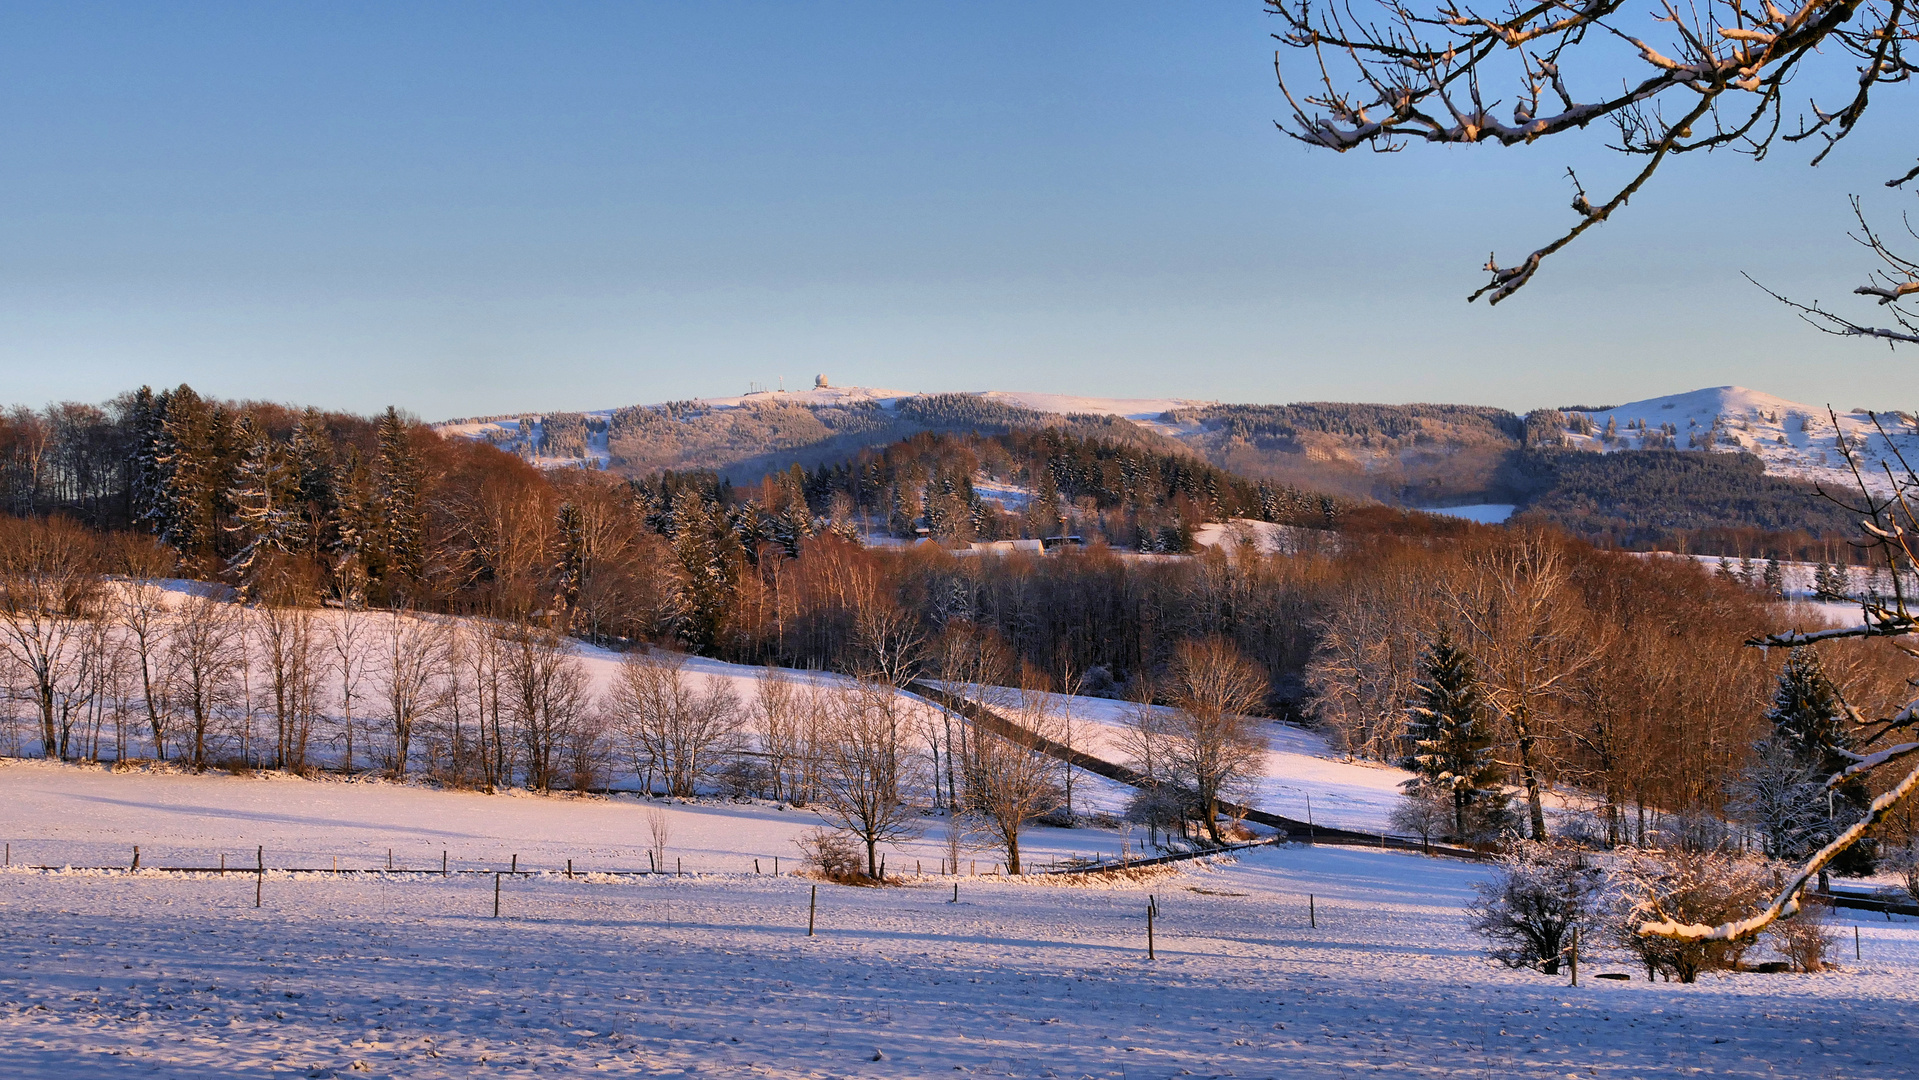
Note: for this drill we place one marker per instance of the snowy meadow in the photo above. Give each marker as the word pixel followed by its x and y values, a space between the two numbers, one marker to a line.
pixel 1278 962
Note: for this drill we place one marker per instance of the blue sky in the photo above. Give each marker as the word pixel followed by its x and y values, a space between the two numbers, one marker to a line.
pixel 475 208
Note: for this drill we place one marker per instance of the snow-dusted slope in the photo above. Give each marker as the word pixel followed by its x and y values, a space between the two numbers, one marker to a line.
pixel 1792 438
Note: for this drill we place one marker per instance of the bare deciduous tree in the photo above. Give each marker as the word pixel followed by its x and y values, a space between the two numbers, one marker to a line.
pixel 669 724
pixel 290 645
pixel 1671 81
pixel 49 584
pixel 347 634
pixel 412 656
pixel 779 720
pixel 551 699
pixel 865 770
pixel 1006 783
pixel 659 829
pixel 1208 742
pixel 204 654
pixel 1518 612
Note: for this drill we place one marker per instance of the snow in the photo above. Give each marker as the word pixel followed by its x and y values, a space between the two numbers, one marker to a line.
pixel 1009 495
pixel 1483 513
pixel 1266 536
pixel 713 974
pixel 1769 427
pixel 1299 768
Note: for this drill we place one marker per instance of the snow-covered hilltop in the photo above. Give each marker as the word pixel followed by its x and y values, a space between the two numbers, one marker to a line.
pixel 1792 438
pixel 739 423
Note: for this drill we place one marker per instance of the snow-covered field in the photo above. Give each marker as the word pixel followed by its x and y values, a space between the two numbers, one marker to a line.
pixel 713 974
pixel 1302 778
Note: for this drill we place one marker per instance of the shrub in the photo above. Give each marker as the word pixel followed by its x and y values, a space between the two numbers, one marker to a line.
pixel 1423 812
pixel 1538 894
pixel 1805 939
pixel 744 777
pixel 833 856
pixel 1905 863
pixel 1709 887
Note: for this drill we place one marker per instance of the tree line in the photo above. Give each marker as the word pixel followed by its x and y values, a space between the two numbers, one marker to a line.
pixel 1613 673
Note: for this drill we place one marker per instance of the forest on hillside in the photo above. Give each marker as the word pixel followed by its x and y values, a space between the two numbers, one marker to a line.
pixel 1634 679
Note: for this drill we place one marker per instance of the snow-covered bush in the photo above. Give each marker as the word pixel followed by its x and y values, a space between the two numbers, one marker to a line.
pixel 1685 886
pixel 1805 939
pixel 1538 894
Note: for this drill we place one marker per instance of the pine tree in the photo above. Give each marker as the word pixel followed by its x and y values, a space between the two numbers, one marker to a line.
pixel 188 466
pixel 266 520
pixel 401 524
pixel 145 417
pixel 311 448
pixel 353 522
pixel 1775 578
pixel 1451 734
pixel 1810 728
pixel 703 571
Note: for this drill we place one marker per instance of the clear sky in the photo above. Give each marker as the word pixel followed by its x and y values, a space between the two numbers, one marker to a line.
pixel 473 208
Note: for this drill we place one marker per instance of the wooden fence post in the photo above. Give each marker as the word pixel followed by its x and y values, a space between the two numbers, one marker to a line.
pixel 1312 912
pixel 496 894
pixel 1150 908
pixel 260 877
pixel 812 906
pixel 136 858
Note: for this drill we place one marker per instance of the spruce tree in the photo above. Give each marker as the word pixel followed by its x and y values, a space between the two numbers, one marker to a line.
pixel 353 522
pixel 1775 578
pixel 400 522
pixel 189 492
pixel 265 519
pixel 1451 734
pixel 146 413
pixel 1810 727
pixel 311 450
pixel 703 571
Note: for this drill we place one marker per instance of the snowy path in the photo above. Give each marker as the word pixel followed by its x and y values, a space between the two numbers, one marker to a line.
pixel 119 976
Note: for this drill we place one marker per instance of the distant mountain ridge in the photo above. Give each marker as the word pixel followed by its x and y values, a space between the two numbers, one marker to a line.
pixel 1412 455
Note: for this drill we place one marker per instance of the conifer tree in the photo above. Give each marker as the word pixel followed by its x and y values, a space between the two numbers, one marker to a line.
pixel 1809 726
pixel 188 469
pixel 266 520
pixel 1775 578
pixel 146 414
pixel 353 523
pixel 703 572
pixel 311 450
pixel 398 517
pixel 1451 734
